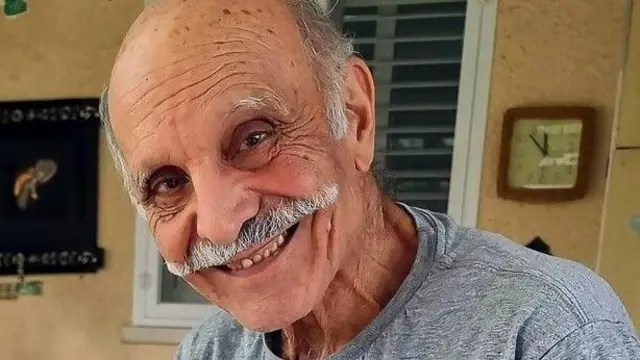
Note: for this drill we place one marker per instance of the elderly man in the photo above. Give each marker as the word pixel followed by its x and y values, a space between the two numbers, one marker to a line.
pixel 245 134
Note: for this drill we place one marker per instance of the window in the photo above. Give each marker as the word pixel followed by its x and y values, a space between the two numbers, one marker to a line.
pixel 431 61
pixel 415 53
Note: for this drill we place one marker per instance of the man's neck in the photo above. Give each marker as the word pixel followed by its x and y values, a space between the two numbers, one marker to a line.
pixel 363 286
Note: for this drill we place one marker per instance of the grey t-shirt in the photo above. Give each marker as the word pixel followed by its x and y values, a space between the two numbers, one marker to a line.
pixel 469 295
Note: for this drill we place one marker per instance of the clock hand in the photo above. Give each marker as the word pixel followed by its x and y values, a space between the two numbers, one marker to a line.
pixel 545 145
pixel 542 150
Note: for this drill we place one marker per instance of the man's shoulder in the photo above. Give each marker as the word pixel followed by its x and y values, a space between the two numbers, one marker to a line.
pixel 218 337
pixel 500 286
pixel 532 277
pixel 496 259
pixel 547 294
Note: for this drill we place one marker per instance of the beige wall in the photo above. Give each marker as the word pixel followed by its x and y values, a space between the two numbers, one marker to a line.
pixel 557 51
pixel 621 246
pixel 553 52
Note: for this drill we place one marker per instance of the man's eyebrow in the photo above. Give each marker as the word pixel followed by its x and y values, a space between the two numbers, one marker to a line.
pixel 268 103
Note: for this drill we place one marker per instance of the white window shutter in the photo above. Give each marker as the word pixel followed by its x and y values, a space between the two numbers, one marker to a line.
pixel 414 48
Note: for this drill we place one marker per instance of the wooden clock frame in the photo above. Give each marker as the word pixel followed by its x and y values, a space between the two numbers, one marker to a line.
pixel 587 115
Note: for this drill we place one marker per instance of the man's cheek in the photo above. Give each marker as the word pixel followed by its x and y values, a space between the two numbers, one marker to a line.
pixel 323 236
pixel 172 238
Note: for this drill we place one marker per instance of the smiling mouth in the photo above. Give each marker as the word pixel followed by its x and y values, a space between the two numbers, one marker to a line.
pixel 263 252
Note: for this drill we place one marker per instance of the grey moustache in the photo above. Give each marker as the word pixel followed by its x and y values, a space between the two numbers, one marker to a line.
pixel 204 253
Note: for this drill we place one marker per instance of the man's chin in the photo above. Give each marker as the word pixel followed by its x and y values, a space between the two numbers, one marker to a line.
pixel 264 328
pixel 272 318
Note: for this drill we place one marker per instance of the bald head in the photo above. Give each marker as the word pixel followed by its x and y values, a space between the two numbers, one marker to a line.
pixel 167 34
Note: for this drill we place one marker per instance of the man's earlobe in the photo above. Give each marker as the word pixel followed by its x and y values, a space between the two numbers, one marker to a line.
pixel 360 105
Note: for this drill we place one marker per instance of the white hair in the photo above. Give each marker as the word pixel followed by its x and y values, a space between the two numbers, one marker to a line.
pixel 327 51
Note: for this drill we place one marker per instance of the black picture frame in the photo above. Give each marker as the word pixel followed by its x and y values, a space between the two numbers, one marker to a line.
pixel 49 186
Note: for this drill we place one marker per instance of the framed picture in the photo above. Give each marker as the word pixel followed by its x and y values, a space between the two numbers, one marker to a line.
pixel 49 186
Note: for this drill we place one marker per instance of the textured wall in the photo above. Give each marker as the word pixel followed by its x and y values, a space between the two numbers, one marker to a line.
pixel 553 52
pixel 64 48
pixel 562 50
pixel 621 246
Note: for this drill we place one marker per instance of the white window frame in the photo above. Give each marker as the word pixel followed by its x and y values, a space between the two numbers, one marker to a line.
pixel 464 191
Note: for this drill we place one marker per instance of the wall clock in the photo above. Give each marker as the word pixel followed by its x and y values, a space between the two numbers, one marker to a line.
pixel 546 153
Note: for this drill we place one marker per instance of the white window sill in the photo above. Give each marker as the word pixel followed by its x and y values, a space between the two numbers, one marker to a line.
pixel 152 335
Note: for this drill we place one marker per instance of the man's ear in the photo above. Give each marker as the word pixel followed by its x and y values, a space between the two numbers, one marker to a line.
pixel 360 101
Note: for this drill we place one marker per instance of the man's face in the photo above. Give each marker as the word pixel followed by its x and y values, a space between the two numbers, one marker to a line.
pixel 220 122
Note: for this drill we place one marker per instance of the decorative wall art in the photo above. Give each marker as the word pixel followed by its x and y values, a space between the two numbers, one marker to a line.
pixel 14 8
pixel 49 187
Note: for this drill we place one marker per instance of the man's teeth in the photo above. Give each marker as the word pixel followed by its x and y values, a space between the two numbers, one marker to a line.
pixel 268 250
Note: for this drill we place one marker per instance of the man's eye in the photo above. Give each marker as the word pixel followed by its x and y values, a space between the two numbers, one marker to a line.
pixel 253 139
pixel 169 184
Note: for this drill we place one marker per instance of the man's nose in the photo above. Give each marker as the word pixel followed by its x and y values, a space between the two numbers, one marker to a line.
pixel 224 204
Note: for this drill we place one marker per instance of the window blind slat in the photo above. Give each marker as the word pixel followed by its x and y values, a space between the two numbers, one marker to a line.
pixel 417 84
pixel 419 16
pixel 417 107
pixel 443 196
pixel 429 174
pixel 400 62
pixel 414 49
pixel 413 152
pixel 426 129
pixel 364 3
pixel 406 39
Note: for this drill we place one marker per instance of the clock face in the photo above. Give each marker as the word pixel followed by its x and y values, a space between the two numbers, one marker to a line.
pixel 545 154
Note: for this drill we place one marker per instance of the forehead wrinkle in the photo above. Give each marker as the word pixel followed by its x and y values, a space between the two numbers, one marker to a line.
pixel 238 40
pixel 138 129
pixel 256 42
pixel 190 84
pixel 258 37
pixel 204 48
pixel 256 84
pixel 137 84
pixel 211 47
pixel 248 54
pixel 141 140
pixel 253 31
pixel 163 111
